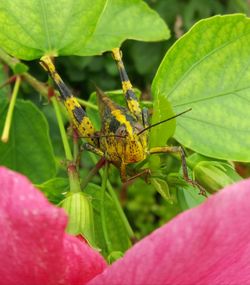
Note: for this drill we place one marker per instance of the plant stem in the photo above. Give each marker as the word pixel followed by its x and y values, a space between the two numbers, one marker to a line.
pixel 93 172
pixel 116 202
pixel 87 104
pixel 74 180
pixel 7 125
pixel 11 61
pixel 66 146
pixel 104 226
pixel 75 146
pixel 120 210
pixel 41 87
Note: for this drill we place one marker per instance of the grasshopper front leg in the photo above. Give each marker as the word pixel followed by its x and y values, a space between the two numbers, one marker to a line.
pixel 123 173
pixel 93 149
pixel 179 149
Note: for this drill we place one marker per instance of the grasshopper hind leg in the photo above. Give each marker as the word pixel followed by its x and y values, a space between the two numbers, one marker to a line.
pixel 131 99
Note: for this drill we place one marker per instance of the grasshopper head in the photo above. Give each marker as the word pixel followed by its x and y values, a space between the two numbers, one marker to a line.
pixel 134 147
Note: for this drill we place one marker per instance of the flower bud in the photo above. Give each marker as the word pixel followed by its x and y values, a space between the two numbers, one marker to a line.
pixel 214 175
pixel 79 208
pixel 114 255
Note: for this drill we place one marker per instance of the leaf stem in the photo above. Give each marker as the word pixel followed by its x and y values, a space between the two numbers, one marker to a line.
pixel 11 61
pixel 120 211
pixel 74 180
pixel 104 226
pixel 39 86
pixel 7 125
pixel 116 202
pixel 93 172
pixel 87 104
pixel 66 146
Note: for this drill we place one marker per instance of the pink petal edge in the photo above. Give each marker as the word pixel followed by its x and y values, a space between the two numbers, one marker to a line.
pixel 209 244
pixel 34 248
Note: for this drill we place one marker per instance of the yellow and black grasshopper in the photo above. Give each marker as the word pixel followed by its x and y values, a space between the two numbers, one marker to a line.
pixel 123 138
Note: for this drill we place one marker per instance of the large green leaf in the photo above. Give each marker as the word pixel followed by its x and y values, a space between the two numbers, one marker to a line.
pixel 29 149
pixel 162 110
pixel 5 90
pixel 32 28
pixel 208 70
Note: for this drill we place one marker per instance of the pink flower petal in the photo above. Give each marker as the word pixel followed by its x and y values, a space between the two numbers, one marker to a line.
pixel 206 245
pixel 33 246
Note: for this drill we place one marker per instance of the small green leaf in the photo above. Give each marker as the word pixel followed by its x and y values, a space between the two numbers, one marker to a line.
pixel 29 148
pixel 117 234
pixel 20 68
pixel 55 189
pixel 189 197
pixel 162 188
pixel 208 70
pixel 32 28
pixel 114 255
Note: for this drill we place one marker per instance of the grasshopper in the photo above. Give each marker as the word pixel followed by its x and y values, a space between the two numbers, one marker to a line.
pixel 123 138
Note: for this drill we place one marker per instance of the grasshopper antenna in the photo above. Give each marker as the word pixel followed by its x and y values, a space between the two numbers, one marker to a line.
pixel 168 119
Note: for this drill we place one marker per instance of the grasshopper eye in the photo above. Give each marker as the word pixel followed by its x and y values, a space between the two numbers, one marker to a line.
pixel 121 131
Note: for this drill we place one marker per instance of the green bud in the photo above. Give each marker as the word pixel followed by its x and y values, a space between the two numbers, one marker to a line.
pixel 114 255
pixel 162 188
pixel 214 175
pixel 79 208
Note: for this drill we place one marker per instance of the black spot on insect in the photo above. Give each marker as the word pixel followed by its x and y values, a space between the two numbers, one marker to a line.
pixel 64 90
pixel 130 95
pixel 123 73
pixel 79 114
pixel 114 125
pixel 130 119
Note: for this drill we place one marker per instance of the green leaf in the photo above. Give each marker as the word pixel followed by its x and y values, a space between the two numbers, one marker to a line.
pixel 55 189
pixel 29 148
pixel 20 68
pixel 188 197
pixel 120 22
pixel 5 90
pixel 32 28
pixel 162 188
pixel 162 110
pixel 114 255
pixel 208 70
pixel 117 234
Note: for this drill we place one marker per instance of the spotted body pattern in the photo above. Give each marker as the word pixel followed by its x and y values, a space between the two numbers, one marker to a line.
pixel 123 138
